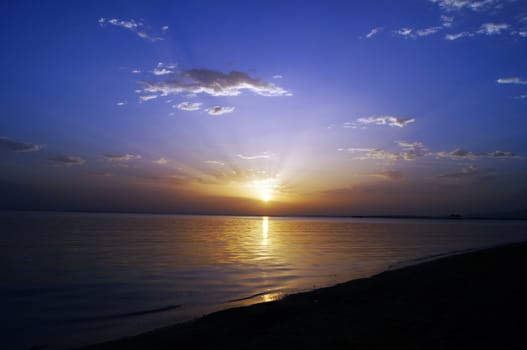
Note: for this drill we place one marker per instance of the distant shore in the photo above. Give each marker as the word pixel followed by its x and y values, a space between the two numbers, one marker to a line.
pixel 476 300
pixel 520 215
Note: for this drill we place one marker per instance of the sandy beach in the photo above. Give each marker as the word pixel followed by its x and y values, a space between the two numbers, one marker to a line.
pixel 470 301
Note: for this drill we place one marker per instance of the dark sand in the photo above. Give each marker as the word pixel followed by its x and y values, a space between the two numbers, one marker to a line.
pixel 472 301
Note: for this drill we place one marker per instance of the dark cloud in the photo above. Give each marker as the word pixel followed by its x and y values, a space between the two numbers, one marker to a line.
pixel 459 154
pixel 214 83
pixel 121 157
pixel 16 146
pixel 219 110
pixel 67 160
pixel 471 174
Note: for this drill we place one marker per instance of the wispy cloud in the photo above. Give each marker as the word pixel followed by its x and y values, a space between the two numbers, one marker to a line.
pixel 475 5
pixel 121 103
pixel 16 146
pixel 512 80
pixel 67 160
pixel 417 33
pixel 410 151
pixel 136 71
pixel 373 32
pixel 428 31
pixel 470 173
pixel 460 154
pixel 189 106
pixel 371 154
pixel 405 32
pixel 164 69
pixel 492 28
pixel 447 21
pixel 161 161
pixel 385 120
pixel 214 83
pixel 391 175
pixel 458 35
pixel 219 110
pixel 121 157
pixel 278 76
pixel 214 162
pixel 147 97
pixel 264 155
pixel 134 26
pixel 520 97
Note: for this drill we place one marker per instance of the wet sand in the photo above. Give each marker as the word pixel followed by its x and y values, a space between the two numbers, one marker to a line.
pixel 475 300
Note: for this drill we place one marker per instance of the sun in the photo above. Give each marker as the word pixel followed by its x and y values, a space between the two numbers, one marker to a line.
pixel 264 188
pixel 266 197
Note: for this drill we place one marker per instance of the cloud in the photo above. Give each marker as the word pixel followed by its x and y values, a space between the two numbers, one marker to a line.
pixel 162 71
pixel 415 33
pixel 410 151
pixel 520 97
pixel 264 155
pixel 372 32
pixel 405 32
pixel 512 80
pixel 475 5
pixel 214 83
pixel 67 160
pixel 278 76
pixel 17 146
pixel 485 29
pixel 523 34
pixel 371 154
pixel 214 162
pixel 385 120
pixel 458 35
pixel 148 97
pixel 492 28
pixel 470 173
pixel 121 157
pixel 136 71
pixel 461 154
pixel 189 106
pixel 121 103
pixel 428 31
pixel 348 125
pixel 161 161
pixel 447 21
pixel 391 175
pixel 219 110
pixel 164 28
pixel 136 27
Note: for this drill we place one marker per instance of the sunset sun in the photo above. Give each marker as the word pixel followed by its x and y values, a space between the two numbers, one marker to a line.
pixel 264 189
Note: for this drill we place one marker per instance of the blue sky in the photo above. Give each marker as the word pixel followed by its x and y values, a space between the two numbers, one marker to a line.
pixel 276 107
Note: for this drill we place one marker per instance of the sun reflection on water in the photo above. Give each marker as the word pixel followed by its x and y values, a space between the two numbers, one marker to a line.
pixel 265 228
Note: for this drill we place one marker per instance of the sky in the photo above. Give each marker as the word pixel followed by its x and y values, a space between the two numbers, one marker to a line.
pixel 414 107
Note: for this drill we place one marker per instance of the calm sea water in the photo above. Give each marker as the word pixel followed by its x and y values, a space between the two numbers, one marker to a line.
pixel 72 279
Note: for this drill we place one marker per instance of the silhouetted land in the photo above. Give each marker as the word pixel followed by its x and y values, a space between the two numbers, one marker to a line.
pixel 472 301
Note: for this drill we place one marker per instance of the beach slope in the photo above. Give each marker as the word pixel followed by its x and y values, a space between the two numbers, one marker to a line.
pixel 476 300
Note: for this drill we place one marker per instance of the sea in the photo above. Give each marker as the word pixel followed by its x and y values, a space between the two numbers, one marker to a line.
pixel 74 279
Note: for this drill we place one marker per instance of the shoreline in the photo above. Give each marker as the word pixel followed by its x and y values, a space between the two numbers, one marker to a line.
pixel 474 299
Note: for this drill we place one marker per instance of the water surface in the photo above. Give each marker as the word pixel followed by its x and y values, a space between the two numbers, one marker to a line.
pixel 71 279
